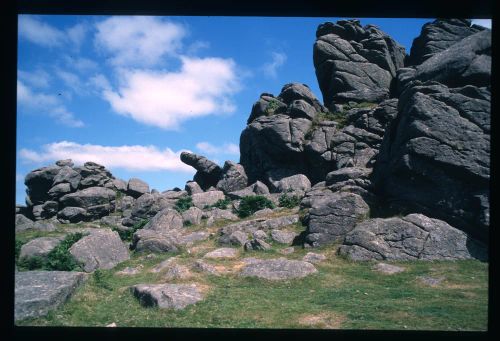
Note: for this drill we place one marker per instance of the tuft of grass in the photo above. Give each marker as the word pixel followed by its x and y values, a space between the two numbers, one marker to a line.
pixel 251 204
pixel 183 204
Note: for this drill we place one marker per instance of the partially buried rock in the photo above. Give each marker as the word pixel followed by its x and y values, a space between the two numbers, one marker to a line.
pixel 314 258
pixel 430 281
pixel 102 249
pixel 167 296
pixel 192 216
pixel 38 292
pixel 72 215
pixel 224 252
pixel 22 224
pixel 283 237
pixel 414 236
pixel 201 200
pixel 278 269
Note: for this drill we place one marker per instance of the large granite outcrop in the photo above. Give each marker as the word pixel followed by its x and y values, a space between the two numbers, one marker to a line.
pixel 355 63
pixel 437 36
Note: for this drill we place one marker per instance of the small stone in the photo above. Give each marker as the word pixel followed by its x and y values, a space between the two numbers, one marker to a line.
pixel 167 296
pixel 257 244
pixel 431 281
pixel 283 237
pixel 314 258
pixel 388 268
pixel 287 250
pixel 259 234
pixel 111 325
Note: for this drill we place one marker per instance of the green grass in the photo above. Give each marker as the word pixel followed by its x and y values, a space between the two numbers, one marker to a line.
pixel 343 294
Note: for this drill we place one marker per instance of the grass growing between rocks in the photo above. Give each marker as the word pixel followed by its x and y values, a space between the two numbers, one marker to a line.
pixel 342 294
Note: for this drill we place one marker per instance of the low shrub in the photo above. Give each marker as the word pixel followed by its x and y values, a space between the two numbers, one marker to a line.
pixel 289 201
pixel 221 204
pixel 272 106
pixel 59 259
pixel 18 246
pixel 183 204
pixel 251 204
pixel 126 235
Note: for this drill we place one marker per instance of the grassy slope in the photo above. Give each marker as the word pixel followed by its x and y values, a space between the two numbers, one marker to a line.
pixel 342 294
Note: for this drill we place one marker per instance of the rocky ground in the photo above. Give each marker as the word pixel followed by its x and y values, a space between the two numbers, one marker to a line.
pixel 388 176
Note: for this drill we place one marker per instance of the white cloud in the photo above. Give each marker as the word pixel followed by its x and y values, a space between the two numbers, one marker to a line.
pixel 226 148
pixel 132 158
pixel 81 64
pixel 482 22
pixel 38 78
pixel 38 32
pixel 71 80
pixel 138 40
pixel 196 47
pixel 46 103
pixel 165 99
pixel 76 34
pixel 278 59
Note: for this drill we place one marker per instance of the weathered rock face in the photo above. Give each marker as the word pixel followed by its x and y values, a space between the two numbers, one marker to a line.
pixel 201 200
pixel 192 187
pixel 233 177
pixel 333 216
pixel 439 35
pixel 39 182
pixel 39 247
pixel 167 296
pixel 102 249
pixel 435 159
pixel 280 145
pixel 414 236
pixel 38 292
pixel 97 201
pixel 355 63
pixel 277 269
pixel 137 187
pixel 208 172
pixel 272 145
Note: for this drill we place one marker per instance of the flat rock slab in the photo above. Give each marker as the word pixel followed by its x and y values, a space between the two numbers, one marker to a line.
pixel 102 249
pixel 38 292
pixel 277 269
pixel 314 258
pixel 167 296
pixel 388 268
pixel 130 271
pixel 225 252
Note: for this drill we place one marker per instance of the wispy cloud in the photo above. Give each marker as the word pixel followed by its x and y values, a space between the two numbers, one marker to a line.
pixel 38 78
pixel 49 104
pixel 138 40
pixel 132 158
pixel 165 99
pixel 271 69
pixel 225 149
pixel 482 22
pixel 38 32
pixel 81 64
pixel 71 80
pixel 33 29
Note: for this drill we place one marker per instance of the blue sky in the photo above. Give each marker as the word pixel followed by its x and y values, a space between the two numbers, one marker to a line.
pixel 131 92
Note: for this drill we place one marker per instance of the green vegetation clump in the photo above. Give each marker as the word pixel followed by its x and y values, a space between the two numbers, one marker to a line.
pixel 221 203
pixel 59 259
pixel 101 280
pixel 183 204
pixel 251 204
pixel 272 106
pixel 289 201
pixel 18 246
pixel 126 235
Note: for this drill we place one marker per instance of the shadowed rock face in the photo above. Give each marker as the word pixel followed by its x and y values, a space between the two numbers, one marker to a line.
pixel 208 172
pixel 355 63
